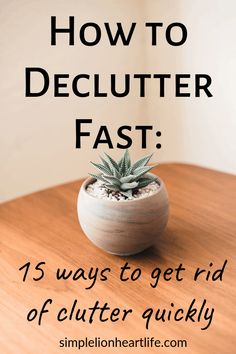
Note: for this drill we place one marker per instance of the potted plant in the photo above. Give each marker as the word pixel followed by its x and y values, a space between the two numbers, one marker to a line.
pixel 123 209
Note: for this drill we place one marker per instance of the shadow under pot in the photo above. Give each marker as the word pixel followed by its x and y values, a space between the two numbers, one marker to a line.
pixel 123 227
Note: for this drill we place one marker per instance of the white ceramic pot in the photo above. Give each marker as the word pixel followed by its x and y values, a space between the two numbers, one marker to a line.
pixel 123 227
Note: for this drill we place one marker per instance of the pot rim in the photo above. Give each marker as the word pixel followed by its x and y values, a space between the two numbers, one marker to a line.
pixel 89 180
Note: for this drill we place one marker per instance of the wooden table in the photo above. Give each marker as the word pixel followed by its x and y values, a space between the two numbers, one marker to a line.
pixel 44 227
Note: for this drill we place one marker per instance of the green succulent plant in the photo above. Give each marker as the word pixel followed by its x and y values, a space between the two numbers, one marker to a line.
pixel 123 176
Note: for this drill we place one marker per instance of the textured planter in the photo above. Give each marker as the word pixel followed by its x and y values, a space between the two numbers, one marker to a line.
pixel 123 227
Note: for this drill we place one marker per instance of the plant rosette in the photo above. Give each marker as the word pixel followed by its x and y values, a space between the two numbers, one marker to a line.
pixel 123 209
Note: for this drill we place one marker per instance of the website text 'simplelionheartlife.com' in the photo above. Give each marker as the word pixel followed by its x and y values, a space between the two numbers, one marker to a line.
pixel 144 342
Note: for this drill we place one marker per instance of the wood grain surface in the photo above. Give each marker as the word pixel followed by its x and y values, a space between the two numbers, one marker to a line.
pixel 44 227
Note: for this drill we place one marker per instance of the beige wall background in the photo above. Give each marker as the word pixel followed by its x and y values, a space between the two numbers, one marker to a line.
pixel 37 135
pixel 198 130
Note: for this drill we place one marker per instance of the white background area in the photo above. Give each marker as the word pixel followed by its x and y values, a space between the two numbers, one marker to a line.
pixel 37 135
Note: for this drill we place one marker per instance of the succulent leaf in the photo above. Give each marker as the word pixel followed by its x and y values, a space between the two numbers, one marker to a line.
pixel 123 167
pixel 127 179
pixel 105 164
pixel 127 159
pixel 128 172
pixel 144 182
pixel 142 162
pixel 127 194
pixel 117 174
pixel 101 167
pixel 140 171
pixel 112 163
pixel 112 187
pixel 148 176
pixel 112 180
pixel 127 186
pixel 120 162
pixel 99 177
